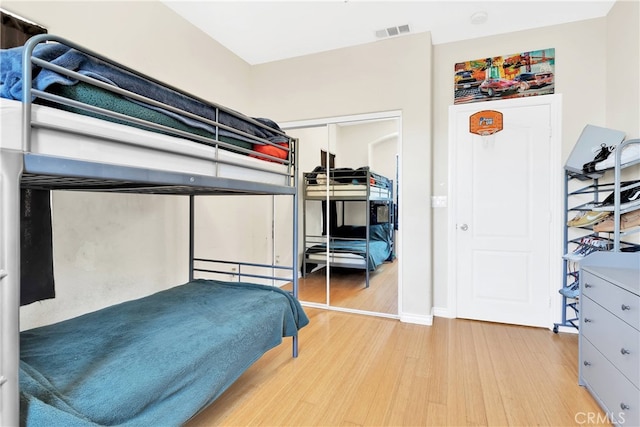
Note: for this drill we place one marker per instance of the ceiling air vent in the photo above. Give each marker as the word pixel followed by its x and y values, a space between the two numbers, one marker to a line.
pixel 393 31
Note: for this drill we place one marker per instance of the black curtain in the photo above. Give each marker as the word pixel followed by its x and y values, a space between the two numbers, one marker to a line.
pixel 333 217
pixel 16 31
pixel 36 243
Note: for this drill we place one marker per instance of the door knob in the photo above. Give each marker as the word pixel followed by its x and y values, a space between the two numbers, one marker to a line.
pixel 464 227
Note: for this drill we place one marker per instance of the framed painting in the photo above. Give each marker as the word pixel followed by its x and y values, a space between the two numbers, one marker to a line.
pixel 503 77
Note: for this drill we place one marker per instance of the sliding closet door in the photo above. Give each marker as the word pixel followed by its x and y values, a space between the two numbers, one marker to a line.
pixel 312 149
pixel 374 144
pixel 334 145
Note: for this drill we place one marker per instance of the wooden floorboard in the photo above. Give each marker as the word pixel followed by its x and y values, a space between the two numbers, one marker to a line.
pixel 348 290
pixel 356 370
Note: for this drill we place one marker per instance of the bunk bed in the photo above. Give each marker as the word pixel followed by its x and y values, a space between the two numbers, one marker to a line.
pixel 73 119
pixel 341 243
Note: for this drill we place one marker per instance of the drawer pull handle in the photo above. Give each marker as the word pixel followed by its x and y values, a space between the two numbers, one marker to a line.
pixel 588 285
pixel 624 351
pixel 625 307
pixel 585 363
pixel 587 320
pixel 624 406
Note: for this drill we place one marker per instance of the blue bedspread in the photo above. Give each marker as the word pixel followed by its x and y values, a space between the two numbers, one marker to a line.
pixel 352 239
pixel 153 361
pixel 63 56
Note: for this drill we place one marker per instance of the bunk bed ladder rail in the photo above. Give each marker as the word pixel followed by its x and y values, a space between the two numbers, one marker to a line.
pixel 10 171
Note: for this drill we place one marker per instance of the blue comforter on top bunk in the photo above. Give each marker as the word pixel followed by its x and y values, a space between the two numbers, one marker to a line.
pixel 11 87
pixel 154 361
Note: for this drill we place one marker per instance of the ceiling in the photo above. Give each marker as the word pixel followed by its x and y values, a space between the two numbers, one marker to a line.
pixel 266 31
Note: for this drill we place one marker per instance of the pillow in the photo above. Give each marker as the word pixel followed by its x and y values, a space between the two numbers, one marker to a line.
pixel 271 151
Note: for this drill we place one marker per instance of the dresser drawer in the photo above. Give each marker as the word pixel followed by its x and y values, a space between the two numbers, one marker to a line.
pixel 620 398
pixel 618 301
pixel 615 339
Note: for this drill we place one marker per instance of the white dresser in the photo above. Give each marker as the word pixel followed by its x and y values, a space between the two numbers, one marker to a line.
pixel 610 333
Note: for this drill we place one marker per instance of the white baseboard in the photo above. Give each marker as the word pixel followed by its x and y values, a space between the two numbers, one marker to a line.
pixel 567 329
pixel 442 312
pixel 417 319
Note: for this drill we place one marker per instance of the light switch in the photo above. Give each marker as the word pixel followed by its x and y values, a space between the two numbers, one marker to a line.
pixel 438 201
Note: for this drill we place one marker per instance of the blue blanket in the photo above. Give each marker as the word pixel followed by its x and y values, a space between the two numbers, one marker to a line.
pixel 11 87
pixel 352 239
pixel 153 361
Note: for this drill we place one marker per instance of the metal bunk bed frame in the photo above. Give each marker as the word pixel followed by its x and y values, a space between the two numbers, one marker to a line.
pixel 22 168
pixel 334 195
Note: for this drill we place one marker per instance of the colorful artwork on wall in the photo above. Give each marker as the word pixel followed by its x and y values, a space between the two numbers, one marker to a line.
pixel 504 77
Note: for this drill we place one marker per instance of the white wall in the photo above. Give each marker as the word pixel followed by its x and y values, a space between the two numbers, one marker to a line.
pixel 623 84
pixel 392 74
pixel 623 68
pixel 354 143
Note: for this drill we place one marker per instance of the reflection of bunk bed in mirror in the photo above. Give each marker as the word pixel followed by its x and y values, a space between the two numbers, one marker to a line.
pixel 347 240
pixel 99 126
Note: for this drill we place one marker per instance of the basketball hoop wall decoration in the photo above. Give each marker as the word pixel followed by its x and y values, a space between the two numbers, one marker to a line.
pixel 486 122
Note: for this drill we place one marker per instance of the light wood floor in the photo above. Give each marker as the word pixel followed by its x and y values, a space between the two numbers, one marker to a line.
pixel 348 288
pixel 356 370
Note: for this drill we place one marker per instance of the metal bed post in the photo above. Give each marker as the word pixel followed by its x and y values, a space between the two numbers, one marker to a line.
pixel 295 233
pixel 368 226
pixel 303 271
pixel 11 165
pixel 10 171
pixel 191 236
pixel 392 222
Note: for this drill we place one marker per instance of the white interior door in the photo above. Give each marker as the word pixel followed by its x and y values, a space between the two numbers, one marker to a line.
pixel 503 198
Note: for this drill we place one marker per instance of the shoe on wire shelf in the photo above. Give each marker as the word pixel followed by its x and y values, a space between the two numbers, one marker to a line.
pixel 587 218
pixel 627 221
pixel 587 246
pixel 571 291
pixel 629 154
pixel 628 199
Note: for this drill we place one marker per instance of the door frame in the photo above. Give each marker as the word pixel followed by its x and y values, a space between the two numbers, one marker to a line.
pixel 555 195
pixel 381 115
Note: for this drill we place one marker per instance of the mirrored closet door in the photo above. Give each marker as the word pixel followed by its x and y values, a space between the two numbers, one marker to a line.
pixel 348 212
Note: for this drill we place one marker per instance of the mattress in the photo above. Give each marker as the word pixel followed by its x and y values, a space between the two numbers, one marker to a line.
pixel 336 259
pixel 347 190
pixel 67 135
pixel 350 253
pixel 153 361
